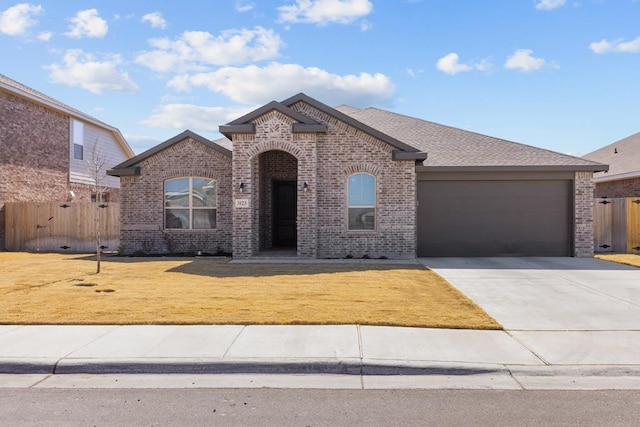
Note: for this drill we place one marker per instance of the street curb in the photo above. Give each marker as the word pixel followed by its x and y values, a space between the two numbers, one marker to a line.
pixel 248 366
pixel 27 366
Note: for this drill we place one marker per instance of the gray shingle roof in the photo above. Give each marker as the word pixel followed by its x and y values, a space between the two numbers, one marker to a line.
pixel 623 157
pixel 448 146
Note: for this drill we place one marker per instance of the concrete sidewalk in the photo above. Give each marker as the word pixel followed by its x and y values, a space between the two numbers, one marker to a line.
pixel 362 356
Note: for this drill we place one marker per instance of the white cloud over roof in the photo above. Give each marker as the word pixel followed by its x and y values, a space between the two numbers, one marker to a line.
pixel 87 23
pixel 155 19
pixel 246 85
pixel 195 50
pixel 17 19
pixel 616 46
pixel 194 117
pixel 450 64
pixel 323 12
pixel 523 60
pixel 549 4
pixel 84 70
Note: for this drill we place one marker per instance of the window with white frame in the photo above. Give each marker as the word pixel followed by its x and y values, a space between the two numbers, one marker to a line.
pixel 361 201
pixel 77 137
pixel 190 203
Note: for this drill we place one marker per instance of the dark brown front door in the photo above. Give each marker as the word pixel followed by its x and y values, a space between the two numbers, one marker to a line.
pixel 284 213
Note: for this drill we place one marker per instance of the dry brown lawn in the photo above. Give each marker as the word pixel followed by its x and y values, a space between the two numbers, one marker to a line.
pixel 63 289
pixel 628 259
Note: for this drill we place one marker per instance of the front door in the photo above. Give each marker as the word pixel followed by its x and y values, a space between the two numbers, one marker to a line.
pixel 284 213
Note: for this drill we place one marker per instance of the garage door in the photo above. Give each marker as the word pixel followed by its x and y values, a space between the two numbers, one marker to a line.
pixel 494 218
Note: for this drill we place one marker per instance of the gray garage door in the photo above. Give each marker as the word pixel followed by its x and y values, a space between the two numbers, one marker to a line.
pixel 494 218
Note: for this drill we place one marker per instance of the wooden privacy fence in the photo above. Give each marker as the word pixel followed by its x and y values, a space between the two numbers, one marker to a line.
pixel 61 227
pixel 616 225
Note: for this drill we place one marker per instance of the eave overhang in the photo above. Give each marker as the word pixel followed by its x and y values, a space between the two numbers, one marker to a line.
pixel 131 171
pixel 408 155
pixel 514 168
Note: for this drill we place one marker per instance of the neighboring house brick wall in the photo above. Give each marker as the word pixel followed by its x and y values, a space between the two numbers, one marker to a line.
pixel 142 197
pixel 34 164
pixel 619 188
pixel 583 194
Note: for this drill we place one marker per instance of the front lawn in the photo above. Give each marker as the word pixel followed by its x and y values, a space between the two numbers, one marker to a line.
pixel 628 259
pixel 63 289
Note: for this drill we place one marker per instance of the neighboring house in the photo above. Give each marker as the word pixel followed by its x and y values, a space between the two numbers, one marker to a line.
pixel 346 182
pixel 45 149
pixel 623 177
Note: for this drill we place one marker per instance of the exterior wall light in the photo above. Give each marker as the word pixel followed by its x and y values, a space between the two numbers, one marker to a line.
pixel 305 187
pixel 242 187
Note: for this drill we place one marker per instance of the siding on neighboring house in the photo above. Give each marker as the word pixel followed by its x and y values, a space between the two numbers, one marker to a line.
pixel 106 149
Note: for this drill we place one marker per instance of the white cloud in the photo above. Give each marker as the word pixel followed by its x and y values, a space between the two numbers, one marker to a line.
pixel 194 117
pixel 450 64
pixel 87 23
pixel 194 50
pixel 45 36
pixel 155 19
pixel 82 69
pixel 550 4
pixel 244 6
pixel 323 12
pixel 247 85
pixel 17 19
pixel 523 60
pixel 618 46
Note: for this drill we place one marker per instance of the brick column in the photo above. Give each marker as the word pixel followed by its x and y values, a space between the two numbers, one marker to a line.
pixel 307 200
pixel 583 214
pixel 244 203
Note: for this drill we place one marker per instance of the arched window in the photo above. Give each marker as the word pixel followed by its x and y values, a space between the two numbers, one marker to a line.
pixel 361 201
pixel 190 203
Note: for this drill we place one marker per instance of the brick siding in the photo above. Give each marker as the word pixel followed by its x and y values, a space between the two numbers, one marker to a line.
pixel 324 161
pixel 583 205
pixel 619 188
pixel 142 201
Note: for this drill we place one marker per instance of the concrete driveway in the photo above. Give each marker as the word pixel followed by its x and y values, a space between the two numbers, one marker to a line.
pixel 568 294
pixel 565 310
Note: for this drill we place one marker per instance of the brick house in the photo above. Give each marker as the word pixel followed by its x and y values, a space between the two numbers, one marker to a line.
pixel 623 177
pixel 346 182
pixel 44 148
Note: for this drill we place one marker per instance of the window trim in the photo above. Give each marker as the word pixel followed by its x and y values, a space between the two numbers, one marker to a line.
pixel 189 208
pixel 374 206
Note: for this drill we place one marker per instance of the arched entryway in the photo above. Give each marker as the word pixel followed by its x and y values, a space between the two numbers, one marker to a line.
pixel 278 200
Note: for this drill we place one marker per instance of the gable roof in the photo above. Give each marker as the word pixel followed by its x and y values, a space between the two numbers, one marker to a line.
pixel 18 89
pixel 623 158
pixel 453 148
pixel 306 124
pixel 129 167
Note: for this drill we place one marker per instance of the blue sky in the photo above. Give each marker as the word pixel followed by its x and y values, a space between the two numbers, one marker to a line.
pixel 558 74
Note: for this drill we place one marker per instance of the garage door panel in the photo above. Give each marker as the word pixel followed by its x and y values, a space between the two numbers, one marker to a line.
pixel 494 218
